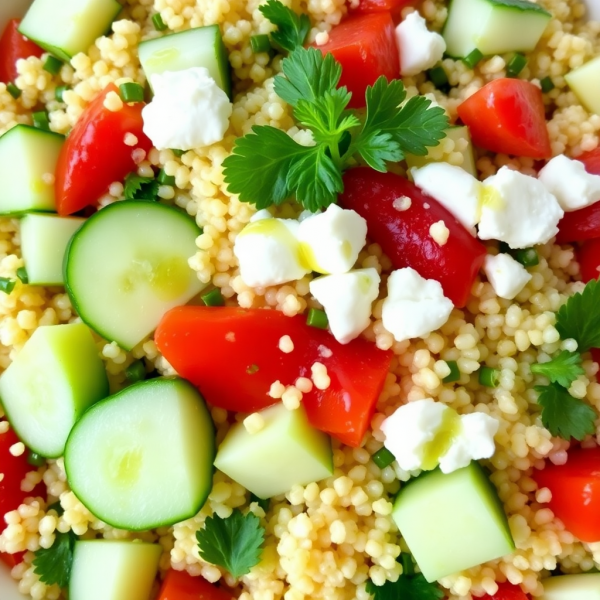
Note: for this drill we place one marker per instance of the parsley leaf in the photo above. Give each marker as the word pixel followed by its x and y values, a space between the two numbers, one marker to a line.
pixel 292 29
pixel 408 587
pixel 53 565
pixel 579 317
pixel 563 369
pixel 563 415
pixel 233 543
pixel 376 148
pixel 140 188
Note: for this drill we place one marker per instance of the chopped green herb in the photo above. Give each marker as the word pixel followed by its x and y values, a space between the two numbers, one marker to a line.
pixel 13 90
pixel 262 502
pixel 60 90
pixel 7 285
pixel 252 369
pixel 454 372
pixel 22 275
pixel 489 377
pixel 472 59
pixel 317 318
pixel 53 565
pixel 158 22
pixel 136 371
pixel 165 179
pixel 131 92
pixel 579 317
pixel 292 29
pixel 52 65
pixel 383 458
pixel 260 43
pixel 35 459
pixel 178 153
pixel 140 188
pixel 547 85
pixel 40 120
pixel 213 298
pixel 515 65
pixel 438 77
pixel 563 369
pixel 528 257
pixel 233 543
pixel 408 587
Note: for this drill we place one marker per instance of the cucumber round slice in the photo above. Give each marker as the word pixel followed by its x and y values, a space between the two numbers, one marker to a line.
pixel 128 265
pixel 143 458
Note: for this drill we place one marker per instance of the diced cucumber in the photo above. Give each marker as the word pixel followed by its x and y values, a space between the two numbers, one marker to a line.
pixel 199 47
pixel 65 28
pixel 143 458
pixel 585 83
pixel 113 570
pixel 572 587
pixel 44 240
pixel 452 522
pixel 57 375
pixel 287 451
pixel 128 265
pixel 28 159
pixel 493 26
pixel 461 137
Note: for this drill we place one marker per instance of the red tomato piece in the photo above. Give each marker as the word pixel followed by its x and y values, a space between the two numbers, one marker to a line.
pixel 588 256
pixel 233 356
pixel 12 560
pixel 404 235
pixel 575 488
pixel 507 115
pixel 507 591
pixel 180 585
pixel 595 355
pixel 376 6
pixel 13 46
pixel 366 48
pixel 95 155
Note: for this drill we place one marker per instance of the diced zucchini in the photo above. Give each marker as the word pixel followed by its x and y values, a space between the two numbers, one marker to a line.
pixel 493 26
pixel 113 570
pixel 452 522
pixel 572 587
pixel 44 240
pixel 199 47
pixel 28 158
pixel 585 83
pixel 65 28
pixel 143 458
pixel 57 375
pixel 287 451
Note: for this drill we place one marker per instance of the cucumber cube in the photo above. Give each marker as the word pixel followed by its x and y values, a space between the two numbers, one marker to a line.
pixel 44 240
pixel 287 451
pixel 572 587
pixel 585 83
pixel 55 377
pixel 452 522
pixel 27 157
pixel 65 28
pixel 113 570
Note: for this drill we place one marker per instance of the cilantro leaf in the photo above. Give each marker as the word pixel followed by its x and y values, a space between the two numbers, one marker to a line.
pixel 292 29
pixel 579 317
pixel 140 188
pixel 53 565
pixel 563 415
pixel 413 587
pixel 376 148
pixel 233 543
pixel 563 369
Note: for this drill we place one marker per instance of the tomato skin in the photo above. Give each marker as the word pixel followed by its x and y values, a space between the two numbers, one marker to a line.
pixel 588 256
pixel 575 488
pixel 404 235
pixel 365 46
pixel 507 591
pixel 13 46
pixel 595 355
pixel 507 115
pixel 95 155
pixel 180 585
pixel 219 350
pixel 12 560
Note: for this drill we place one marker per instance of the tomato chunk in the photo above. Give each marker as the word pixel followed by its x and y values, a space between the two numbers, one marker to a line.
pixel 507 115
pixel 13 46
pixel 404 235
pixel 588 256
pixel 366 48
pixel 233 356
pixel 95 155
pixel 507 591
pixel 575 488
pixel 12 560
pixel 180 585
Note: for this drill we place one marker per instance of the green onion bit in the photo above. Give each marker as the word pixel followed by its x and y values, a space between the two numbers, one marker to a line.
pixel 13 90
pixel 60 90
pixel 547 85
pixel 213 298
pixel 260 43
pixel 135 372
pixel 178 153
pixel 7 285
pixel 35 459
pixel 528 257
pixel 22 275
pixel 52 65
pixel 438 76
pixel 516 64
pixel 158 22
pixel 40 120
pixel 165 179
pixel 383 458
pixel 472 58
pixel 454 372
pixel 317 318
pixel 131 92
pixel 489 377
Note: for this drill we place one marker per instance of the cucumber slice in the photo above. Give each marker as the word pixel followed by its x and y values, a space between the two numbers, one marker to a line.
pixel 65 28
pixel 113 570
pixel 452 522
pixel 52 381
pixel 585 83
pixel 287 451
pixel 199 47
pixel 143 458
pixel 44 240
pixel 28 154
pixel 128 265
pixel 493 26
pixel 572 587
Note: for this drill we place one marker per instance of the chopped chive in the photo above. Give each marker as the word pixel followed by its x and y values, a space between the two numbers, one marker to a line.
pixel 262 502
pixel 35 459
pixel 547 85
pixel 165 179
pixel 60 90
pixel 131 92
pixel 136 371
pixel 383 458
pixel 515 65
pixel 40 120
pixel 213 298
pixel 52 65
pixel 454 372
pixel 528 257
pixel 438 77
pixel 260 43
pixel 158 22
pixel 22 275
pixel 7 285
pixel 489 377
pixel 13 90
pixel 317 318
pixel 178 153
pixel 472 58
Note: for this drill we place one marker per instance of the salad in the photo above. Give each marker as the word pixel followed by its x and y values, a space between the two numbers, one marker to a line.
pixel 300 300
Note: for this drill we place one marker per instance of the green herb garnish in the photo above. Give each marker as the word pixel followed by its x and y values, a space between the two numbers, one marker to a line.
pixel 53 565
pixel 7 285
pixel 563 369
pixel 140 188
pixel 292 29
pixel 579 317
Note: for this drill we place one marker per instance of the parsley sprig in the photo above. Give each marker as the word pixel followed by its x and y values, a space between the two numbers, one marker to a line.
pixel 579 317
pixel 292 29
pixel 268 167
pixel 563 369
pixel 53 565
pixel 140 188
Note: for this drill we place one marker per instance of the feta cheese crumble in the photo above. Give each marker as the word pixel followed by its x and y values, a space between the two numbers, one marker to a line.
pixel 507 276
pixel 439 233
pixel 189 110
pixel 414 306
pixel 419 48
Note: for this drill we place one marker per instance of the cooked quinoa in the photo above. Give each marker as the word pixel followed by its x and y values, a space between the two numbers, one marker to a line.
pixel 327 539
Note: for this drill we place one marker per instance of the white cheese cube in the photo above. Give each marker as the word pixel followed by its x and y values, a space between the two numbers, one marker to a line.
pixel 347 300
pixel 507 276
pixel 419 48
